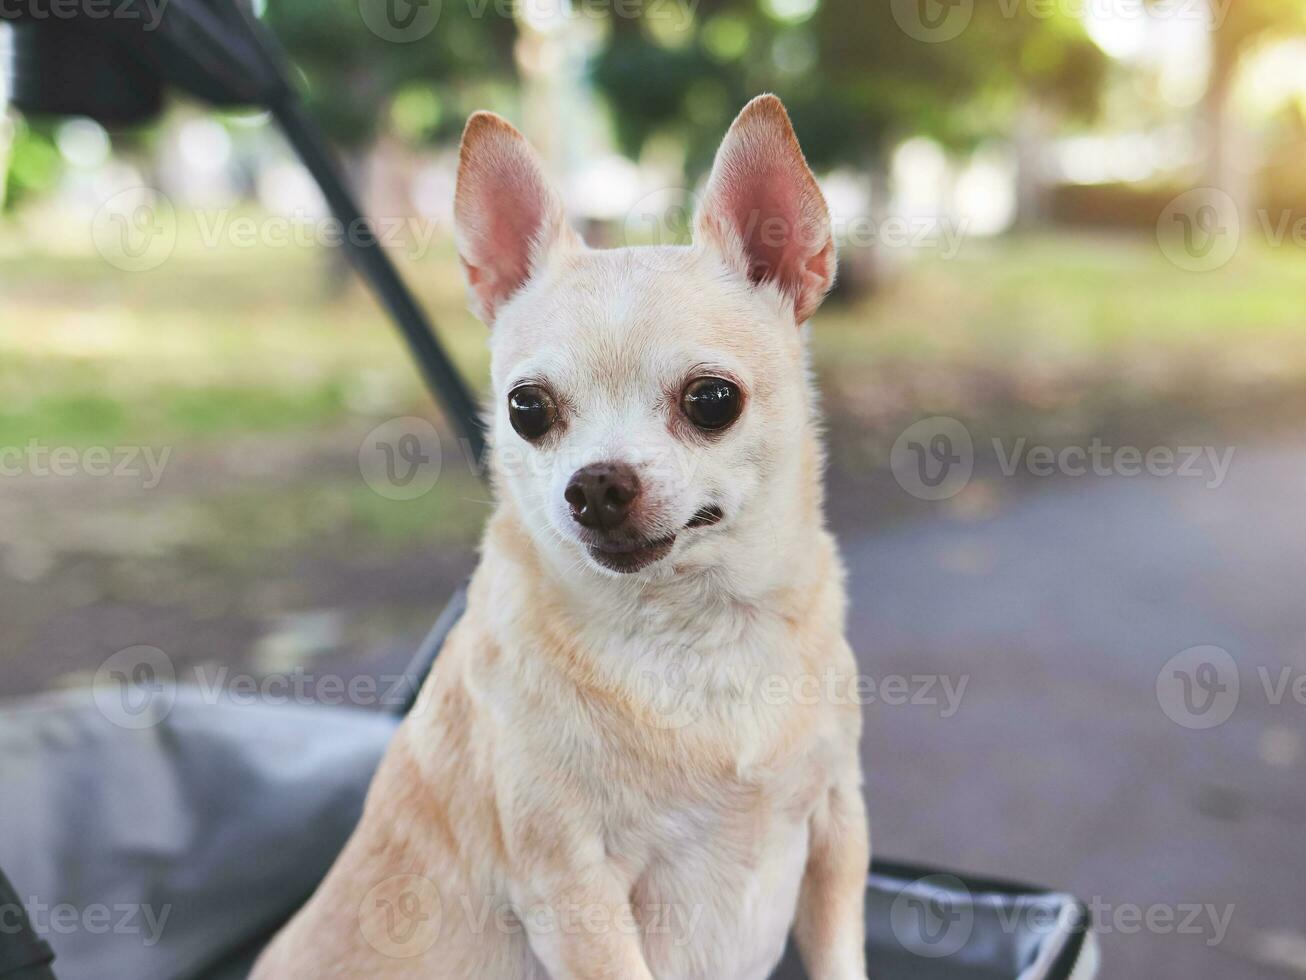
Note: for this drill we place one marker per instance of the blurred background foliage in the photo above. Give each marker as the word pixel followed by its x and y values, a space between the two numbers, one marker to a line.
pixel 1061 223
pixel 358 85
pixel 853 80
pixel 1002 193
pixel 33 162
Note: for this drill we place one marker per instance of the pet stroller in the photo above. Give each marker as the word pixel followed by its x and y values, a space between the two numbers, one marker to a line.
pixel 163 836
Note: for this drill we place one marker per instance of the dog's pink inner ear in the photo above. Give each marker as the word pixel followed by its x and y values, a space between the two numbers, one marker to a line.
pixel 506 214
pixel 764 210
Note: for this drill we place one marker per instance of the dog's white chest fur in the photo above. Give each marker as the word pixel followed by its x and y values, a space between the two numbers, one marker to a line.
pixel 713 835
pixel 673 752
pixel 715 883
pixel 722 915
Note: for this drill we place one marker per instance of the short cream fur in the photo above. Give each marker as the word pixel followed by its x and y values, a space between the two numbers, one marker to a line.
pixel 628 776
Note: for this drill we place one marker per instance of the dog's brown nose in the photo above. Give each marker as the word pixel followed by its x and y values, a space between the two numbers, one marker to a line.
pixel 601 495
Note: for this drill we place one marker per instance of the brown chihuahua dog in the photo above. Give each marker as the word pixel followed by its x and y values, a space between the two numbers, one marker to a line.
pixel 622 767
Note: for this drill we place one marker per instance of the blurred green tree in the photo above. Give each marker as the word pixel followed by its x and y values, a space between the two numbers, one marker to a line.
pixel 1239 27
pixel 367 64
pixel 32 166
pixel 414 68
pixel 857 75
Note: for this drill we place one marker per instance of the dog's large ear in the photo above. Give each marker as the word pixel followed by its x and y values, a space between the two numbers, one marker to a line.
pixel 507 217
pixel 764 211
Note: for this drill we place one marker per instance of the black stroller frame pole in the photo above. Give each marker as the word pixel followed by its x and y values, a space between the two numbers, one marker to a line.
pixel 255 50
pixel 374 265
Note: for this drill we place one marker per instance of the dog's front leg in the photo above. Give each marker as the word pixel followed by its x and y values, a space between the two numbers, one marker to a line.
pixel 586 929
pixel 829 927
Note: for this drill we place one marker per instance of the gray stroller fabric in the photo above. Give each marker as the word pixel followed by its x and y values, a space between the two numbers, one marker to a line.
pixel 156 851
pixel 168 838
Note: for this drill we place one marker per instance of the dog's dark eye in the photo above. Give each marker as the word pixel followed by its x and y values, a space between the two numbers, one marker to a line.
pixel 532 411
pixel 712 403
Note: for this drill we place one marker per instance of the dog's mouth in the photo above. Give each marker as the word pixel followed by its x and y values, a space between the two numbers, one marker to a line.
pixel 633 557
pixel 706 517
pixel 629 557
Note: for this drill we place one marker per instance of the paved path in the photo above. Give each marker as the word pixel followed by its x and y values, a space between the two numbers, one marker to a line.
pixel 1058 606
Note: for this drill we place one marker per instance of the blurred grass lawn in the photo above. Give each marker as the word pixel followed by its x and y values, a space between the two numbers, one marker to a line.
pixel 1045 337
pixel 1061 338
pixel 262 370
pixel 217 342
